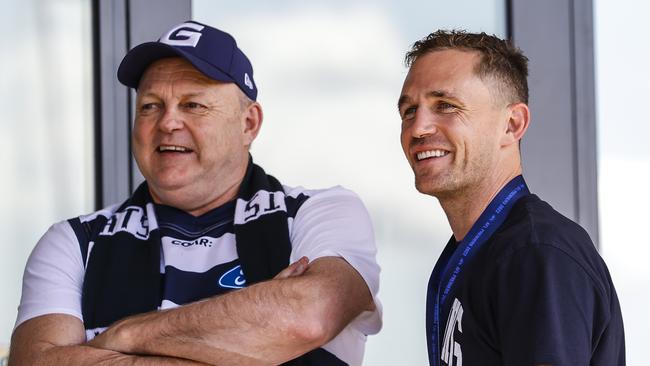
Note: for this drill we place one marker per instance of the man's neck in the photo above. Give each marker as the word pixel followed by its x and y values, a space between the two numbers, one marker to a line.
pixel 463 208
pixel 197 202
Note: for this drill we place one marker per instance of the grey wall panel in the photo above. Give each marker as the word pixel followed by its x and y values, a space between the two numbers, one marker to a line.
pixel 559 150
pixel 121 24
pixel 585 117
pixel 113 119
pixel 548 145
pixel 149 19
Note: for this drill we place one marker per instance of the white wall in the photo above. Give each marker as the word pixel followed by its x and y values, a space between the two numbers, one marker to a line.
pixel 46 140
pixel 623 82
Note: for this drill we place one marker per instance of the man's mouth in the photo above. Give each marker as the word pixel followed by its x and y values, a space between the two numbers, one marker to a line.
pixel 173 149
pixel 431 154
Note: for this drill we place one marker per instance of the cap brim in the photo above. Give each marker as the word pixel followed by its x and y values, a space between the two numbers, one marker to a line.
pixel 138 59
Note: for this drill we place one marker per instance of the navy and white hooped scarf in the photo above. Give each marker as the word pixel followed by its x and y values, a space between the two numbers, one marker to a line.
pixel 123 267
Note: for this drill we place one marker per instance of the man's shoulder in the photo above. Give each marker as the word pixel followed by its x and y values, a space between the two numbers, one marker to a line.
pixel 300 197
pixel 535 230
pixel 84 225
pixel 105 212
pixel 73 222
pixel 533 221
pixel 335 191
pixel 533 225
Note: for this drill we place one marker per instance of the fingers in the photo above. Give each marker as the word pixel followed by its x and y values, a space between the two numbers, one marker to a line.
pixel 296 268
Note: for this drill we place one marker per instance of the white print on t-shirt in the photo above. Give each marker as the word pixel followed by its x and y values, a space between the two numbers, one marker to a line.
pixel 262 203
pixel 451 348
pixel 132 220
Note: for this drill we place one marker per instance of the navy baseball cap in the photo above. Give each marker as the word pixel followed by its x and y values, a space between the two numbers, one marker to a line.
pixel 209 50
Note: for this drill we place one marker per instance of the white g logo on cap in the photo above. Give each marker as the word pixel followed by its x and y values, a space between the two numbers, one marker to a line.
pixel 191 38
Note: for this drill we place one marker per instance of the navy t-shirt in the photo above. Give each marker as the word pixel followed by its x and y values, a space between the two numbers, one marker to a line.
pixel 537 293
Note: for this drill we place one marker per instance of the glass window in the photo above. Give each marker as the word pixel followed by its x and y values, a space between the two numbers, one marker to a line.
pixel 622 77
pixel 330 74
pixel 47 149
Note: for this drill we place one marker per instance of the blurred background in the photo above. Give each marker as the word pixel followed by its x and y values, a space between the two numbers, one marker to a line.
pixel 329 74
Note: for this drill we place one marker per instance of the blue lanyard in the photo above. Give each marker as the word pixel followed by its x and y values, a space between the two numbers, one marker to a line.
pixel 442 281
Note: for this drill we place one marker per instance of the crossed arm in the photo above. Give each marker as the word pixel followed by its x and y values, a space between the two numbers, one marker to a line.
pixel 57 339
pixel 303 308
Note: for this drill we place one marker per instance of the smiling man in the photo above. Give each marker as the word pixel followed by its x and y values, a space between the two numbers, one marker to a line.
pixel 194 268
pixel 518 283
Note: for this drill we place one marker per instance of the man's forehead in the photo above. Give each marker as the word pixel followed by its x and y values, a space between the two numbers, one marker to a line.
pixel 442 69
pixel 447 62
pixel 174 69
pixel 452 56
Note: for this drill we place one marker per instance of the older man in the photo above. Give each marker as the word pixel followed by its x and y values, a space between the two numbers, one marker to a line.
pixel 208 230
pixel 518 283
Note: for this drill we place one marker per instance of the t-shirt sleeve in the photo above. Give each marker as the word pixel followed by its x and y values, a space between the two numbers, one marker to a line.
pixel 53 276
pixel 549 309
pixel 335 222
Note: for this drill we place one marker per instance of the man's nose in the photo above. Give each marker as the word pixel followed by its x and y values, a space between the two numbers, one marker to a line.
pixel 170 121
pixel 424 123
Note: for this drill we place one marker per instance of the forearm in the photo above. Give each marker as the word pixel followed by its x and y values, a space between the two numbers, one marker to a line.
pixel 58 339
pixel 265 324
pixel 231 334
pixel 84 355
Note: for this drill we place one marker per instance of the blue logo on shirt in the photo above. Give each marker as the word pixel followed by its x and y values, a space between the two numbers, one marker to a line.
pixel 234 278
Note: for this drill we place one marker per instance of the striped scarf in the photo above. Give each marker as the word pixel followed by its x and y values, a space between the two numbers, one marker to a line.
pixel 123 258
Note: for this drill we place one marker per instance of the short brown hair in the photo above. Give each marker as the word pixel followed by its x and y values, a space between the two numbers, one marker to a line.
pixel 500 59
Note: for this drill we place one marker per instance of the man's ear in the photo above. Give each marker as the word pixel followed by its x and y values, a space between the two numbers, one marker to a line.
pixel 252 122
pixel 518 120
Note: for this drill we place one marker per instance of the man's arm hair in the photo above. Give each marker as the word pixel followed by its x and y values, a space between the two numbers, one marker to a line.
pixel 265 324
pixel 58 339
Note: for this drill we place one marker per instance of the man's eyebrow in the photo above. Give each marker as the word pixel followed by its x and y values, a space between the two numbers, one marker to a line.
pixel 404 99
pixel 441 94
pixel 193 94
pixel 186 95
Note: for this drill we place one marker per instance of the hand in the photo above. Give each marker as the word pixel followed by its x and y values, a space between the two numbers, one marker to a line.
pixel 295 269
pixel 105 341
pixel 120 336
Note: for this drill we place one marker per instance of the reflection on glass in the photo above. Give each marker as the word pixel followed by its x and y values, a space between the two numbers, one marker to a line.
pixel 47 157
pixel 330 73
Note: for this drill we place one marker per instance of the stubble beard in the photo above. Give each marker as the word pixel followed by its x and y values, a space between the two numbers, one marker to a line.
pixel 441 186
pixel 457 182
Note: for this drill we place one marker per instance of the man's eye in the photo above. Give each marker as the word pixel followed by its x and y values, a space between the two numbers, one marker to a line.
pixel 193 105
pixel 444 106
pixel 148 107
pixel 408 112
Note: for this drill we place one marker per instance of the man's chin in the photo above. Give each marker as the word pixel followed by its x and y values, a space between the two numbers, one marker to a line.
pixel 431 187
pixel 165 188
pixel 426 189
